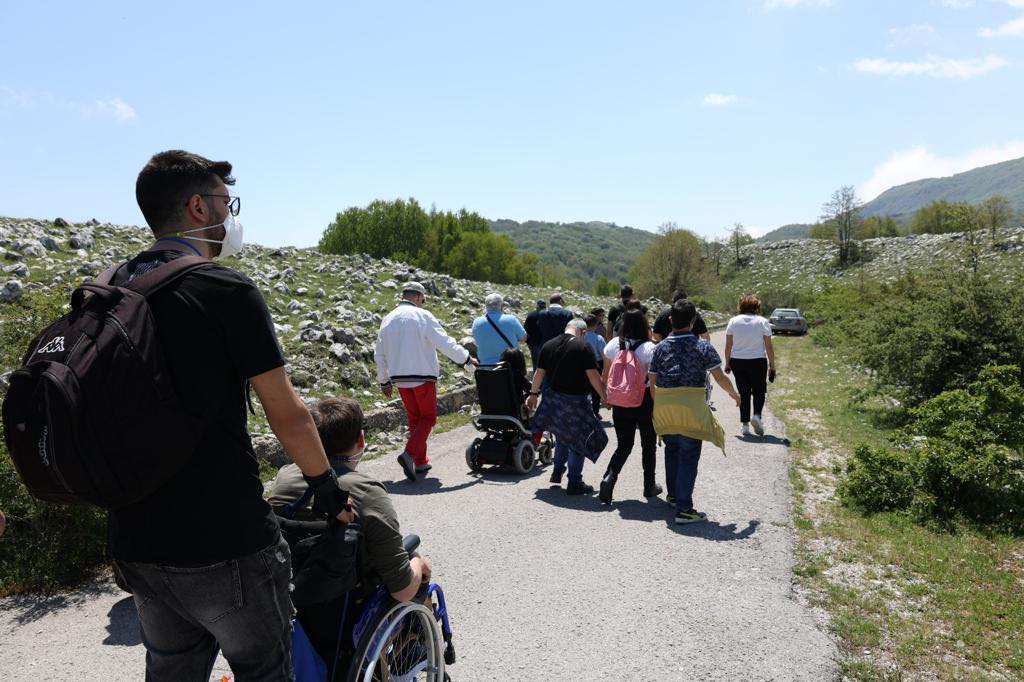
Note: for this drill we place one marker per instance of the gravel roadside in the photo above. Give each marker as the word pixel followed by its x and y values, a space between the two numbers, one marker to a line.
pixel 542 586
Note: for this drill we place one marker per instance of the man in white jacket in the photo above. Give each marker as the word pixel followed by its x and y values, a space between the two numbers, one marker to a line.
pixel 406 357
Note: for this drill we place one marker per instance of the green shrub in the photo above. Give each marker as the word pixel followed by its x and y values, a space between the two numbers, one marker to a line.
pixel 45 545
pixel 962 455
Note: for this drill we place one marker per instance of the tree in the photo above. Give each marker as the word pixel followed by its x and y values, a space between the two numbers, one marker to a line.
pixel 672 261
pixel 940 217
pixel 996 212
pixel 606 287
pixel 877 226
pixel 738 237
pixel 842 211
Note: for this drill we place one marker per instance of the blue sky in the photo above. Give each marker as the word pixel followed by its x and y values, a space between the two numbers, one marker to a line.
pixel 703 113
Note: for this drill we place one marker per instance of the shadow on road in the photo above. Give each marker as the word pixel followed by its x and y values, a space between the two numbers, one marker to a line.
pixel 712 530
pixel 123 628
pixel 767 440
pixel 28 608
pixel 425 486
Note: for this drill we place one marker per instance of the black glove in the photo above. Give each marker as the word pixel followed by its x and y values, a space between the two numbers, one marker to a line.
pixel 328 499
pixel 771 375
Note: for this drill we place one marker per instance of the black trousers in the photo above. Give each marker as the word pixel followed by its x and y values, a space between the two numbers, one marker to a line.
pixel 627 421
pixel 751 382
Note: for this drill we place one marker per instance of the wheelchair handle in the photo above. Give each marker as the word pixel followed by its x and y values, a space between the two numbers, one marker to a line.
pixel 301 526
pixel 410 543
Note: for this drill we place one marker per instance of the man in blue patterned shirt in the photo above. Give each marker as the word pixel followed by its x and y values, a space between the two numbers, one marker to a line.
pixel 683 359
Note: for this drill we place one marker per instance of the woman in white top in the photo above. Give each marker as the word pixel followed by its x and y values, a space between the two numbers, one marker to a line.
pixel 635 335
pixel 748 353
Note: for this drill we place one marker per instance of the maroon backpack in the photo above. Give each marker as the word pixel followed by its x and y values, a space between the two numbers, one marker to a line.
pixel 92 416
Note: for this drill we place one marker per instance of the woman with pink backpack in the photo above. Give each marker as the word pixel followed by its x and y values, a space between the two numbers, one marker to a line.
pixel 627 359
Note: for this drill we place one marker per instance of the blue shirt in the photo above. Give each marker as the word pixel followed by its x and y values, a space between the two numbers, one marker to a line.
pixel 597 342
pixel 489 345
pixel 683 359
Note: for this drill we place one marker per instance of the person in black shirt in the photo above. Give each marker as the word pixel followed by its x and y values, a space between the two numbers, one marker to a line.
pixel 625 296
pixel 533 334
pixel 203 556
pixel 552 320
pixel 663 325
pixel 568 365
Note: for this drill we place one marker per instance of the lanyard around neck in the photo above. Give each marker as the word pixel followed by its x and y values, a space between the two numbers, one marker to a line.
pixel 178 240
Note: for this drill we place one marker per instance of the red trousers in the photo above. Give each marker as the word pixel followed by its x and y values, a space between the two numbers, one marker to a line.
pixel 421 408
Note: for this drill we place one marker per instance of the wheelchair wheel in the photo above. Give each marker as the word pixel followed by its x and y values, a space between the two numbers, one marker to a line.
pixel 404 644
pixel 545 452
pixel 472 460
pixel 523 456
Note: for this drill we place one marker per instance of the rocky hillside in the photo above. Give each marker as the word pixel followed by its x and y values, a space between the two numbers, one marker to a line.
pixel 326 309
pixel 794 264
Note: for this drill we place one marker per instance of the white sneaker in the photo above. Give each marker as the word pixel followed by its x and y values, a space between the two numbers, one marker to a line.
pixel 755 421
pixel 745 429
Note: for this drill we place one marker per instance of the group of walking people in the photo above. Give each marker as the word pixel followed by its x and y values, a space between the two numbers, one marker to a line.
pixel 655 378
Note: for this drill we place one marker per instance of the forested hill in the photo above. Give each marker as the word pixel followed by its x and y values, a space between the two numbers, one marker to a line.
pixel 791 231
pixel 973 186
pixel 578 253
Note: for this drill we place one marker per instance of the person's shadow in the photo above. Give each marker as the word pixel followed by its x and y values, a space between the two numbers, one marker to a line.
pixel 123 628
pixel 712 530
pixel 767 440
pixel 425 486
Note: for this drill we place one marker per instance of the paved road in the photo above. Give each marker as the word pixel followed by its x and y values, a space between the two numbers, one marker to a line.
pixel 542 586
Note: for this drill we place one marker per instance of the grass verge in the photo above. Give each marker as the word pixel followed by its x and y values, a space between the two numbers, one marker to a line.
pixel 905 600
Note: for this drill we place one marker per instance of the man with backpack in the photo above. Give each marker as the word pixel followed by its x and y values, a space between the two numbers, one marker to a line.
pixel 178 340
pixel 552 320
pixel 533 333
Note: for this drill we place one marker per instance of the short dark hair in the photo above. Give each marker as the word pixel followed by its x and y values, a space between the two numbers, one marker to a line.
pixel 167 181
pixel 683 313
pixel 338 421
pixel 556 298
pixel 633 304
pixel 626 292
pixel 634 326
pixel 597 312
pixel 678 295
pixel 591 321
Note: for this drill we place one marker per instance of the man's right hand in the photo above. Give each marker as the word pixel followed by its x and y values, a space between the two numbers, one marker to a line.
pixel 386 390
pixel 328 498
pixel 531 402
pixel 425 567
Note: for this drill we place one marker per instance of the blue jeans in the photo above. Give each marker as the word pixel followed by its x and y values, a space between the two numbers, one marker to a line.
pixel 241 604
pixel 564 455
pixel 681 457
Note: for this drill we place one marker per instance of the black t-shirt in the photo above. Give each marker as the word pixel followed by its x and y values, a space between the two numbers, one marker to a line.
pixel 615 312
pixel 565 360
pixel 663 325
pixel 215 332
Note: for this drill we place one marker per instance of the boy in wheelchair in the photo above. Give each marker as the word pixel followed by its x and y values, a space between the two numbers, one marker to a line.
pixel 382 557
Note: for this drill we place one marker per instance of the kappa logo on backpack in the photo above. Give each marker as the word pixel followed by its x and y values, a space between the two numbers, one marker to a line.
pixel 626 380
pixel 92 416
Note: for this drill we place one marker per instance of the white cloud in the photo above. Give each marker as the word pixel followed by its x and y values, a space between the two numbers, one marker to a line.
pixel 715 99
pixel 1011 29
pixel 918 163
pixel 786 4
pixel 936 67
pixel 114 108
pixel 913 34
pixel 957 4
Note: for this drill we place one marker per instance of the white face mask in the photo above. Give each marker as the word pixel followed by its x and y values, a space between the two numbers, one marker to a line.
pixel 232 242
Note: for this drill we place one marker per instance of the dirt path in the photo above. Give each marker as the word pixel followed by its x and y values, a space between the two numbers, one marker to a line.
pixel 542 586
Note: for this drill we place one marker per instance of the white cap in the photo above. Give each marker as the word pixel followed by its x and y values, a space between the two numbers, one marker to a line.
pixel 415 287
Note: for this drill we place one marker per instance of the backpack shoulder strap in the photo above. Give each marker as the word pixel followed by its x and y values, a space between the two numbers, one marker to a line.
pixel 156 279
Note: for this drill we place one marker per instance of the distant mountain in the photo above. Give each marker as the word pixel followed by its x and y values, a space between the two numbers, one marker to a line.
pixel 584 251
pixel 791 231
pixel 973 186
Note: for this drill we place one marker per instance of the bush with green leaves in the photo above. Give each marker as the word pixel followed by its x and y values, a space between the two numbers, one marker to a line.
pixel 46 545
pixel 461 244
pixel 962 455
